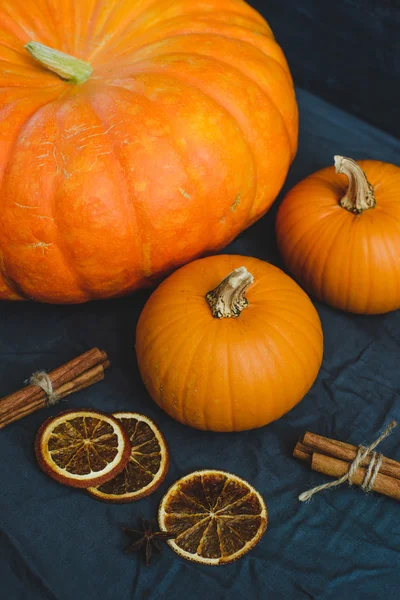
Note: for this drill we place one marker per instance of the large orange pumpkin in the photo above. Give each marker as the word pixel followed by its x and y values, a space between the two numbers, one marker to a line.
pixel 228 343
pixel 339 234
pixel 167 129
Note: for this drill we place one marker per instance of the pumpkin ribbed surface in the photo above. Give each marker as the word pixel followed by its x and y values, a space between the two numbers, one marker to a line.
pixel 228 374
pixel 181 137
pixel 349 260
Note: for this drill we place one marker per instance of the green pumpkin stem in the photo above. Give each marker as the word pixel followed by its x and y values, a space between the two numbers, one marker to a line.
pixel 360 193
pixel 67 67
pixel 228 298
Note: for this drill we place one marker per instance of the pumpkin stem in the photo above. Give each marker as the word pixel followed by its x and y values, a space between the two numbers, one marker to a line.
pixel 360 193
pixel 228 299
pixel 68 67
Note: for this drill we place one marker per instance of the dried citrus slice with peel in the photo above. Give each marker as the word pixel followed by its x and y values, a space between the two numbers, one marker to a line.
pixel 82 447
pixel 217 517
pixel 148 462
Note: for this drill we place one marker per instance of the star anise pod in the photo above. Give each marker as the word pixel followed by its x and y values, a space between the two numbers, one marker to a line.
pixel 147 539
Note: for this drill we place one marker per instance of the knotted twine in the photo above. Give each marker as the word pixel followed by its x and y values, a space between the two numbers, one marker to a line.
pixel 42 380
pixel 370 475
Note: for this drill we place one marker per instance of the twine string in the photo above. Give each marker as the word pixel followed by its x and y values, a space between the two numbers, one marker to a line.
pixel 371 474
pixel 42 380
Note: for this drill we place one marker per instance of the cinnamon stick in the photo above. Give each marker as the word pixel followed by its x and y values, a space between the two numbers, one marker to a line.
pixel 344 451
pixel 75 375
pixel 303 453
pixel 388 486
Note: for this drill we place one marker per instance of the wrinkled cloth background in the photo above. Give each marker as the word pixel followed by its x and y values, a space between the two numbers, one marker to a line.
pixel 58 544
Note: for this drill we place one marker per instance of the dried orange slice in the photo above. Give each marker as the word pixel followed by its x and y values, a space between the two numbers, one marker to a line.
pixel 217 517
pixel 82 448
pixel 148 462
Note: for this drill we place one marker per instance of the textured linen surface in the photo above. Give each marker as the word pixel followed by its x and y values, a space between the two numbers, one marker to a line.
pixel 56 543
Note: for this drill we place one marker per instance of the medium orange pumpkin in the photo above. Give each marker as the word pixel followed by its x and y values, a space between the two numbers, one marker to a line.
pixel 228 343
pixel 339 235
pixel 167 129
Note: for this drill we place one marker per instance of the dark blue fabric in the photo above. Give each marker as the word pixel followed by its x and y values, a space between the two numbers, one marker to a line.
pixel 58 544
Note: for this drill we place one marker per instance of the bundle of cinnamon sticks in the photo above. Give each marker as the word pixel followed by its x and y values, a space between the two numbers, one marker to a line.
pixel 75 375
pixel 333 458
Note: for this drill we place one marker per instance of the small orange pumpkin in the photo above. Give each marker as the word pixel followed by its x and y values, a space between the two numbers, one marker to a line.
pixel 233 358
pixel 340 235
pixel 139 135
